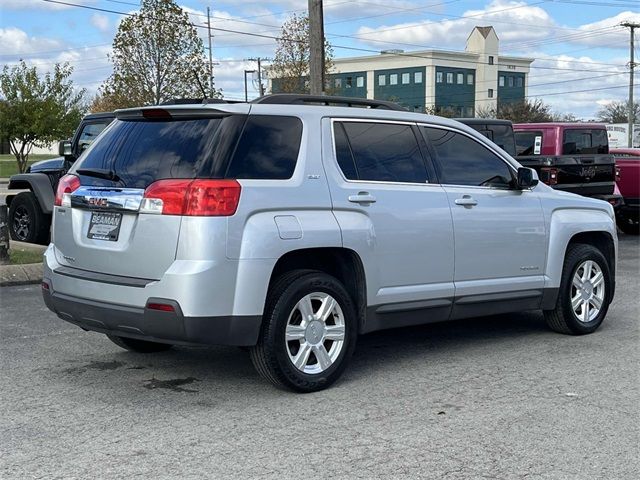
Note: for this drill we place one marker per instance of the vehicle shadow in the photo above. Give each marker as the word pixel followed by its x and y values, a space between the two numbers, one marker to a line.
pixel 189 370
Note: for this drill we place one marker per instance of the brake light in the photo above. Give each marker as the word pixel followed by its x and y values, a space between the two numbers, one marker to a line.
pixel 66 186
pixel 193 198
pixel 156 113
pixel 550 176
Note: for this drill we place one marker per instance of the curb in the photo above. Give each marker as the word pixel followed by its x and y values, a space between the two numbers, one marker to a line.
pixel 24 274
pixel 27 274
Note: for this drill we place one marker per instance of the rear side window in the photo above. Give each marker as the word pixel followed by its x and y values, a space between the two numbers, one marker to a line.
pixel 584 141
pixel 268 148
pixel 463 161
pixel 382 152
pixel 528 142
pixel 89 134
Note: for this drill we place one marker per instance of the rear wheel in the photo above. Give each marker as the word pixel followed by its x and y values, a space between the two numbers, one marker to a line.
pixel 585 292
pixel 140 346
pixel 309 332
pixel 27 222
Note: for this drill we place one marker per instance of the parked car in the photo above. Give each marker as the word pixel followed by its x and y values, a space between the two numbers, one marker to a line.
pixel 628 162
pixel 30 210
pixel 573 157
pixel 290 227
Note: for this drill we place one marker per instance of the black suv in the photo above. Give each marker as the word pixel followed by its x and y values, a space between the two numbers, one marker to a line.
pixel 30 211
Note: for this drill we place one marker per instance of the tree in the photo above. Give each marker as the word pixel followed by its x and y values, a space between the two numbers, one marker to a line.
pixel 618 112
pixel 447 112
pixel 526 111
pixel 157 56
pixel 291 62
pixel 37 111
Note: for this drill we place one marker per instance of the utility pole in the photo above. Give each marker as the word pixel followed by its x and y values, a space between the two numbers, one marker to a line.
pixel 316 47
pixel 210 53
pixel 632 27
pixel 259 60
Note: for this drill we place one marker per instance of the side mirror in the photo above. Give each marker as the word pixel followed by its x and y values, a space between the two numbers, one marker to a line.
pixel 64 148
pixel 527 178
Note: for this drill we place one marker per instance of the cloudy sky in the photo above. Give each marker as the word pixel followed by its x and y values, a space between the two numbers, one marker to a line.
pixel 581 52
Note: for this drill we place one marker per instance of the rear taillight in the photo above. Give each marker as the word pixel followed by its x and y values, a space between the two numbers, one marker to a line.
pixel 617 173
pixel 66 186
pixel 549 175
pixel 193 198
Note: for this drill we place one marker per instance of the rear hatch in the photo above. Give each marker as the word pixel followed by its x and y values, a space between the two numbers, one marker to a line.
pixel 121 206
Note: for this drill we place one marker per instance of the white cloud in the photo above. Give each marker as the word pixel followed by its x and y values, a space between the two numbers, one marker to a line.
pixel 19 43
pixel 101 22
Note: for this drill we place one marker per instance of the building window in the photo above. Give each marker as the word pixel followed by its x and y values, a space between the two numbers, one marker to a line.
pixel 470 112
pixel 349 82
pixel 417 77
pixel 382 80
pixel 359 82
pixel 338 83
pixel 469 78
pixel 490 93
pixel 438 77
pixel 519 82
pixel 501 81
pixel 490 59
pixel 406 78
pixel 460 78
pixel 449 77
pixel 393 79
pixel 511 81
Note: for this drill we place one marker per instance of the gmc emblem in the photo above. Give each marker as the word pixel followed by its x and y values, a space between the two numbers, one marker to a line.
pixel 97 201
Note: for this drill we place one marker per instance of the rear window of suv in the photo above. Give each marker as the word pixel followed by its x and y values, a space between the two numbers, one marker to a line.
pixel 139 152
pixel 585 141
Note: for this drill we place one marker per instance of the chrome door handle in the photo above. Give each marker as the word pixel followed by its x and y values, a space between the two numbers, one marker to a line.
pixel 466 201
pixel 362 197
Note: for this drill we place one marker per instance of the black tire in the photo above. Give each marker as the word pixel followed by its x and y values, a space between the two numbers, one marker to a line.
pixel 628 225
pixel 562 318
pixel 139 346
pixel 27 222
pixel 271 355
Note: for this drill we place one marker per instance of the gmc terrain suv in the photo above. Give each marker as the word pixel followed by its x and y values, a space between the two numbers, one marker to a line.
pixel 290 226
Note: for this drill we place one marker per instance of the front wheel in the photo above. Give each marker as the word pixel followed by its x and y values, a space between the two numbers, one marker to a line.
pixel 584 294
pixel 309 332
pixel 27 222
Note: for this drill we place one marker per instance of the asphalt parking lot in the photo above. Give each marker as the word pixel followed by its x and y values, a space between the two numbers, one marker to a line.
pixel 496 397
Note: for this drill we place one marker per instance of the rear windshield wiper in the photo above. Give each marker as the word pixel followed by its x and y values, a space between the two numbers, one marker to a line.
pixel 99 173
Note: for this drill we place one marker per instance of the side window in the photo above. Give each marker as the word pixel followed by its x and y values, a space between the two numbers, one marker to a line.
pixel 381 152
pixel 464 161
pixel 528 142
pixel 89 134
pixel 267 149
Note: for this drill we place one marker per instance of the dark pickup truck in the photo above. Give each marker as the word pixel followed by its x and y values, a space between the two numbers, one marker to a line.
pixel 567 156
pixel 30 210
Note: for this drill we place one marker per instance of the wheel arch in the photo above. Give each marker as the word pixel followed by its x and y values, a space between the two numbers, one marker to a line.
pixel 341 263
pixel 38 184
pixel 572 226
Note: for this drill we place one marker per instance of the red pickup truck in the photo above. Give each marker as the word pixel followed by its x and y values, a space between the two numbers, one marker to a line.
pixel 569 156
pixel 628 214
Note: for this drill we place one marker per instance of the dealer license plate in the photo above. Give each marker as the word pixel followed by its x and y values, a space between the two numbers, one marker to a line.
pixel 105 226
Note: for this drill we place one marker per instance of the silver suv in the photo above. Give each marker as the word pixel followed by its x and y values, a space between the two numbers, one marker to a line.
pixel 291 228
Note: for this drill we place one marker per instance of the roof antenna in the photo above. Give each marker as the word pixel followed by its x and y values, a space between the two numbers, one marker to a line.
pixel 204 92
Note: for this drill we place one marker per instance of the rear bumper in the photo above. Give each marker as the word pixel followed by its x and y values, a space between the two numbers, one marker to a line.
pixel 153 325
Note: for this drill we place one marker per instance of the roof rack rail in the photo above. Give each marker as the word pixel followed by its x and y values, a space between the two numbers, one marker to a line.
pixel 197 101
pixel 303 99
